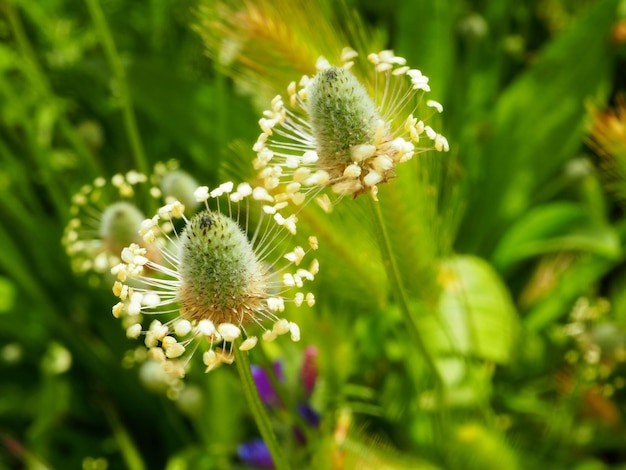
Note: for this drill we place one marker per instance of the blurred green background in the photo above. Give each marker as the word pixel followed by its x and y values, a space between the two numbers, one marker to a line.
pixel 510 247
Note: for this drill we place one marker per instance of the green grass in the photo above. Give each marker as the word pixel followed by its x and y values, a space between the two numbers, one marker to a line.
pixel 474 319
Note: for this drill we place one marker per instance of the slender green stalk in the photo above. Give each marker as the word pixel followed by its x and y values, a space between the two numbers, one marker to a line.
pixel 285 398
pixel 18 451
pixel 395 279
pixel 38 79
pixel 258 409
pixel 128 449
pixel 130 121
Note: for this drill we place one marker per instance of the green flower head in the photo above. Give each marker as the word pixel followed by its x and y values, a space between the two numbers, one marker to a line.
pixel 343 132
pixel 216 280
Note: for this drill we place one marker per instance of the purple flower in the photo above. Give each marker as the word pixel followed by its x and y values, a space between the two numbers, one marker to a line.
pixel 254 452
pixel 309 414
pixel 308 372
pixel 264 385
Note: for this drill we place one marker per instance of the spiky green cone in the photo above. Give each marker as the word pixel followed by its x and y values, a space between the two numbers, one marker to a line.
pixel 342 115
pixel 119 225
pixel 221 278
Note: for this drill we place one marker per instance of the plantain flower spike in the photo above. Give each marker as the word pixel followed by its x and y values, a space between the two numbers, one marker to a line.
pixel 218 280
pixel 104 219
pixel 106 215
pixel 344 133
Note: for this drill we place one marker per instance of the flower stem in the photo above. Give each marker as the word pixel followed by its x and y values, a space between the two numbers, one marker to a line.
pixel 258 409
pixel 130 453
pixel 395 279
pixel 39 82
pixel 130 122
pixel 285 398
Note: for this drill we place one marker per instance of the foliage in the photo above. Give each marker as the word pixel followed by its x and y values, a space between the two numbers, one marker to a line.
pixel 474 317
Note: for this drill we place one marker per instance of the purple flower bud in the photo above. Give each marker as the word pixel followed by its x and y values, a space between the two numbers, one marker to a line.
pixel 254 452
pixel 264 385
pixel 309 369
pixel 309 414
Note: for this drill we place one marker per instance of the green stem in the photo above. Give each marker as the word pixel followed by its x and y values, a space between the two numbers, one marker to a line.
pixel 38 79
pixel 130 121
pixel 258 409
pixel 128 449
pixel 283 396
pixel 395 279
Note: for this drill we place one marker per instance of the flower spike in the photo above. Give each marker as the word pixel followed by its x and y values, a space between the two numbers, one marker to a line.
pixel 214 281
pixel 339 133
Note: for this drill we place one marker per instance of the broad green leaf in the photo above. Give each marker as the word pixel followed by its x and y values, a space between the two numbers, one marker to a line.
pixel 537 125
pixel 468 383
pixel 475 315
pixel 478 447
pixel 7 295
pixel 555 227
pixel 573 283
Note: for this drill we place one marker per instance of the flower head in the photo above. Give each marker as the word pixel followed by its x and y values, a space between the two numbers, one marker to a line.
pixel 267 42
pixel 104 219
pixel 264 384
pixel 107 214
pixel 608 139
pixel 256 453
pixel 344 133
pixel 216 280
pixel 173 184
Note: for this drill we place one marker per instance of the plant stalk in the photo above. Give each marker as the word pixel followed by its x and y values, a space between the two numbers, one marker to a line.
pixel 123 92
pixel 258 410
pixel 38 79
pixel 395 279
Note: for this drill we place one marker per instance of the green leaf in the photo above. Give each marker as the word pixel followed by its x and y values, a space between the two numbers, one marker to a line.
pixel 478 447
pixel 54 403
pixel 428 26
pixel 556 227
pixel 476 315
pixel 537 125
pixel 199 117
pixel 572 283
pixel 7 295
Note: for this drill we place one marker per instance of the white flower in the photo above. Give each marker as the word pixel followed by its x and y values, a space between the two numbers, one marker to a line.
pixel 108 215
pixel 214 281
pixel 104 219
pixel 333 132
